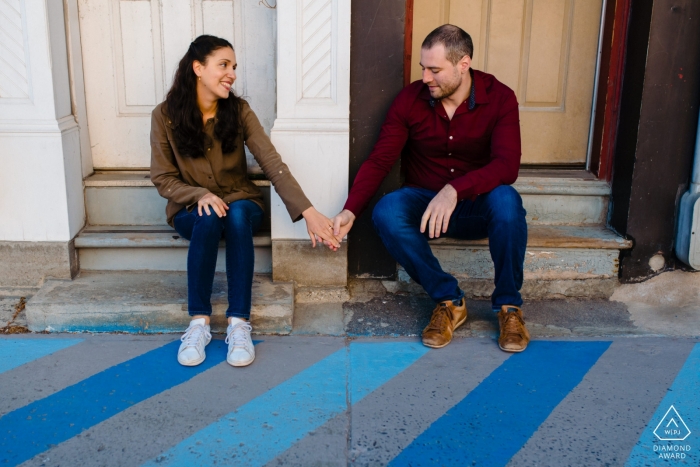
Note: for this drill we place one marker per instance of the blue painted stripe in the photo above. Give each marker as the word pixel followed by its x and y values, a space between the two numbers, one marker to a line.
pixel 260 430
pixel 497 418
pixel 17 352
pixel 32 429
pixel 684 395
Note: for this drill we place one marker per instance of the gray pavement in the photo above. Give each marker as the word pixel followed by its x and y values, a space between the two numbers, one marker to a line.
pixel 122 400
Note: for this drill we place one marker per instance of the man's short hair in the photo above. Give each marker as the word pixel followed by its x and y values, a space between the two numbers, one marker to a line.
pixel 456 41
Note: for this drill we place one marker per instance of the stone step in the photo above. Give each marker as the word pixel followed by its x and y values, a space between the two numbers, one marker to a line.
pixel 550 197
pixel 560 262
pixel 143 302
pixel 129 198
pixel 156 248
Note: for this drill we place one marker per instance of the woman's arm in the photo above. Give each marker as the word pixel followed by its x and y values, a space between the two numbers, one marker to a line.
pixel 296 202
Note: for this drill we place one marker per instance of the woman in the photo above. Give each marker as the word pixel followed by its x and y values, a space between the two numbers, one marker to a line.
pixel 198 164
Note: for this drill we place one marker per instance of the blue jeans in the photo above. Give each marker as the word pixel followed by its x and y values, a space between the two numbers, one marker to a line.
pixel 498 215
pixel 204 232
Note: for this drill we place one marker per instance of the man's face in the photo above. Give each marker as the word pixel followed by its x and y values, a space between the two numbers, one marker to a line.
pixel 442 77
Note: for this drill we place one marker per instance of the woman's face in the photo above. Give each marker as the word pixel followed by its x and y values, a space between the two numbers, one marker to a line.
pixel 217 75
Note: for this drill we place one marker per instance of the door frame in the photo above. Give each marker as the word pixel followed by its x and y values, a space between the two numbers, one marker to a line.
pixel 609 72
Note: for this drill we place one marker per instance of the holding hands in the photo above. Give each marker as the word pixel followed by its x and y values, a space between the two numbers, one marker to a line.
pixel 320 229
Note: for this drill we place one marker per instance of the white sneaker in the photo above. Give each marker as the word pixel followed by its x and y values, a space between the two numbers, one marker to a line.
pixel 241 351
pixel 194 340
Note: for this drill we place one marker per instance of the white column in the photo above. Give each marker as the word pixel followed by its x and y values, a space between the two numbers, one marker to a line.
pixel 41 189
pixel 312 129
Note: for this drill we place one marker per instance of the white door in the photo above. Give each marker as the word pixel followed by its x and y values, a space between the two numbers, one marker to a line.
pixel 131 49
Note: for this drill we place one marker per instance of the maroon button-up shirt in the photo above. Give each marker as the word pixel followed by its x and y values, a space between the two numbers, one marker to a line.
pixel 476 151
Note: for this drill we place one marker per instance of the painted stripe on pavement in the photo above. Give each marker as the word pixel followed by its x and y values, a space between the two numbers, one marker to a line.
pixel 684 396
pixel 260 430
pixel 496 419
pixel 17 352
pixel 32 429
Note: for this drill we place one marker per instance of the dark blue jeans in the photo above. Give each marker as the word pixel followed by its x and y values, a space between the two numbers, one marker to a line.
pixel 204 232
pixel 498 215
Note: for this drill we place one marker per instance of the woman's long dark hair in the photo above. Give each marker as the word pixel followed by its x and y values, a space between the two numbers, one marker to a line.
pixel 183 110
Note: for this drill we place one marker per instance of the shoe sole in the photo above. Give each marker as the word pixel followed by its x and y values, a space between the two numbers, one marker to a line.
pixel 448 342
pixel 510 350
pixel 241 363
pixel 192 363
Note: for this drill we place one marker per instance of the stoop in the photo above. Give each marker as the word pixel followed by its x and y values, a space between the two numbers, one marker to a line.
pixel 148 302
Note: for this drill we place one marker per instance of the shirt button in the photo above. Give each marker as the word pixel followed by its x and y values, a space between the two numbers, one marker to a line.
pixel 449 154
pixel 452 170
pixel 450 137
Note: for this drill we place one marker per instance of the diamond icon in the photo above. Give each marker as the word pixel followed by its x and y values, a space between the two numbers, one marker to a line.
pixel 672 427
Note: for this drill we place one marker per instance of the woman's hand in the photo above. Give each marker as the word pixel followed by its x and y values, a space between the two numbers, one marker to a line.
pixel 320 226
pixel 213 201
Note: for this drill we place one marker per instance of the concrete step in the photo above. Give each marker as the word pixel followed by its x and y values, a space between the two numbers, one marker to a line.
pixel 550 197
pixel 129 198
pixel 156 248
pixel 560 262
pixel 148 303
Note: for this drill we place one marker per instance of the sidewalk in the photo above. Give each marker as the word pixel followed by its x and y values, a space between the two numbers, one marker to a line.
pixel 121 400
pixel 591 389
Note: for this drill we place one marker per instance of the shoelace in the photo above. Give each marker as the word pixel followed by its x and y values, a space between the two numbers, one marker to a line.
pixel 193 334
pixel 439 318
pixel 237 336
pixel 513 323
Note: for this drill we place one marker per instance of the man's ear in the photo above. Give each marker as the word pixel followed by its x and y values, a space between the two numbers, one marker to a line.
pixel 465 64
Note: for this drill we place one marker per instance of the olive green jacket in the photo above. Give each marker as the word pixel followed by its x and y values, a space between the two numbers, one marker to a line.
pixel 183 180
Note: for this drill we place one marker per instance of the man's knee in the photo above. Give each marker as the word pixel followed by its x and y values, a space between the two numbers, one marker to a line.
pixel 381 215
pixel 506 204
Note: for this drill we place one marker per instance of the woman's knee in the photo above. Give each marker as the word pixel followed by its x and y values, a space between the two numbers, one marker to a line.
pixel 243 215
pixel 209 223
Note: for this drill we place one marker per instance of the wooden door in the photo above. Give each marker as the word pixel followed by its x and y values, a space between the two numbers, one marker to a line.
pixel 131 49
pixel 545 50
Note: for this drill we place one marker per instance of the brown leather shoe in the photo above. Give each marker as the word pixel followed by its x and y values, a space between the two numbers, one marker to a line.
pixel 446 318
pixel 514 336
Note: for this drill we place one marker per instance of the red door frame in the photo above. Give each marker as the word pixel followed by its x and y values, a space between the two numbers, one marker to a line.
pixel 609 82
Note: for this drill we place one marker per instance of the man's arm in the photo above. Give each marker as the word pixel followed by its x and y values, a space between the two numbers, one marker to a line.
pixel 387 150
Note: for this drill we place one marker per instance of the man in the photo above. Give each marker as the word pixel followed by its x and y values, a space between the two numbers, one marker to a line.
pixel 459 133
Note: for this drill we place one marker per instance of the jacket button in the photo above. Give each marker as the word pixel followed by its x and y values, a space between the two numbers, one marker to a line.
pixel 280 171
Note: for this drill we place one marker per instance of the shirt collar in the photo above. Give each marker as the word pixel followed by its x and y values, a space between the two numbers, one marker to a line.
pixel 477 95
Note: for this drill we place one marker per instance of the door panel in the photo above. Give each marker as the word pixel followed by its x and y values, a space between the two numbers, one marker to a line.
pixel 131 49
pixel 545 50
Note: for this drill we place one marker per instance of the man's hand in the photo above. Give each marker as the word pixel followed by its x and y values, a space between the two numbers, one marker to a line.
pixel 437 214
pixel 342 223
pixel 320 228
pixel 213 201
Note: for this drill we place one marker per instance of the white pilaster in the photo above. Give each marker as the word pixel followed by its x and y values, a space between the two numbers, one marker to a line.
pixel 312 129
pixel 41 196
